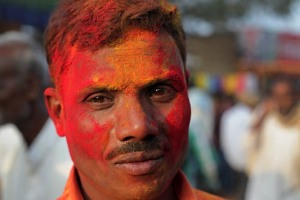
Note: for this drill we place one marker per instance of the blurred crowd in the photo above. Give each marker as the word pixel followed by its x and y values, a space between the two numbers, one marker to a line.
pixel 35 162
pixel 243 146
pixel 246 146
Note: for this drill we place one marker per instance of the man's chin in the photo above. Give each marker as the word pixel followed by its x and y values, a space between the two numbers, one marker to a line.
pixel 150 189
pixel 148 186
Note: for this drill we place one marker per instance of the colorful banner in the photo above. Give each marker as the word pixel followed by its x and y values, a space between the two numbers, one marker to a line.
pixel 228 83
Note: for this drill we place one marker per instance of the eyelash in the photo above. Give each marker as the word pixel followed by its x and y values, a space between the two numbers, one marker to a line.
pixel 164 94
pixel 100 104
pixel 163 98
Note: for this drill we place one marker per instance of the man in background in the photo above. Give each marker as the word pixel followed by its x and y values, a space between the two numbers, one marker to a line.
pixel 235 124
pixel 274 156
pixel 36 165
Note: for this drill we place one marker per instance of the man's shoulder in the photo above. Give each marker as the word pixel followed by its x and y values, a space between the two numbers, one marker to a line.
pixel 205 196
pixel 10 137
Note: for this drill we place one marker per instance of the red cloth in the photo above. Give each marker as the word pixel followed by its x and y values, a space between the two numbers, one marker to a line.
pixel 183 189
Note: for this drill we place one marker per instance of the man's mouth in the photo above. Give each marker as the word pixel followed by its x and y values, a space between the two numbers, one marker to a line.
pixel 139 163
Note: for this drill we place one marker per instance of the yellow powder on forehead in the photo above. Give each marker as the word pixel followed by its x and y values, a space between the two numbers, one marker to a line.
pixel 147 49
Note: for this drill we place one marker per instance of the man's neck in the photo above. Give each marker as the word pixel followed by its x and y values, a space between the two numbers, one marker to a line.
pixel 91 192
pixel 289 111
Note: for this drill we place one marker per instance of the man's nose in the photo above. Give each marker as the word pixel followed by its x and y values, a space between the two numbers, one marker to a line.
pixel 135 121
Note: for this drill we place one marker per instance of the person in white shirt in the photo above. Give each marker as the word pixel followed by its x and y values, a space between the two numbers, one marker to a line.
pixel 235 124
pixel 274 156
pixel 234 127
pixel 39 157
pixel 11 149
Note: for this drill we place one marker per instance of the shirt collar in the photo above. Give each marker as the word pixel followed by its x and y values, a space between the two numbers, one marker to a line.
pixel 72 190
pixel 184 190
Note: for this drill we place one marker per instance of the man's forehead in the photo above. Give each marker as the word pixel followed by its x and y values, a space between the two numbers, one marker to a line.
pixel 142 58
pixel 138 46
pixel 132 42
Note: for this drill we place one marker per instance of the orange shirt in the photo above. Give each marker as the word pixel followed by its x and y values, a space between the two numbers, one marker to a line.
pixel 183 189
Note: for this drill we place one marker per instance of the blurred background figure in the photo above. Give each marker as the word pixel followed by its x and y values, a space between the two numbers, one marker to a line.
pixel 10 152
pixel 36 165
pixel 274 161
pixel 235 124
pixel 201 165
pixel 222 102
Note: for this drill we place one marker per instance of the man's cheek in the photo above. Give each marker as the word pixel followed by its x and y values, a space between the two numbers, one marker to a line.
pixel 178 120
pixel 89 136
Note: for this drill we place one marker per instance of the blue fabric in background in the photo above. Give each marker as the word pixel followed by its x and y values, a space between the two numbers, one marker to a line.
pixel 24 15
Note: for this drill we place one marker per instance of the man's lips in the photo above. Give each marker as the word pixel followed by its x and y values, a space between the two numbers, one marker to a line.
pixel 138 157
pixel 139 163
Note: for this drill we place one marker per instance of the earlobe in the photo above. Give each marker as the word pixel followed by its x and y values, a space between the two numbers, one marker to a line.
pixel 54 108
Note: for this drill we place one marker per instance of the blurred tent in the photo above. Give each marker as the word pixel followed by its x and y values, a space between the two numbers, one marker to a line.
pixel 269 43
pixel 266 35
pixel 268 51
pixel 214 27
pixel 221 13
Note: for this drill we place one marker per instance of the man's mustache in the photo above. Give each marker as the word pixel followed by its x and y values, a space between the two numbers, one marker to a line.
pixel 139 146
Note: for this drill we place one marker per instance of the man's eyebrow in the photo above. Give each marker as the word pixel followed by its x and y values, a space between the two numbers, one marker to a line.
pixel 95 89
pixel 171 77
pixel 157 82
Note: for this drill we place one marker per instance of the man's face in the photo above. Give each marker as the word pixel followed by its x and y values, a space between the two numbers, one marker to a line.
pixel 283 97
pixel 13 106
pixel 125 113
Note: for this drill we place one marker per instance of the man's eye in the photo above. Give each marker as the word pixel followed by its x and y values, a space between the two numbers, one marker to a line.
pixel 162 94
pixel 101 101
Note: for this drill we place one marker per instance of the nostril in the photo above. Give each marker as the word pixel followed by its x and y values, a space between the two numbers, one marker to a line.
pixel 146 138
pixel 128 138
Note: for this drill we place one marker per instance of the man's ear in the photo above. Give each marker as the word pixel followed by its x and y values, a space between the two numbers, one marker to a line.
pixel 54 107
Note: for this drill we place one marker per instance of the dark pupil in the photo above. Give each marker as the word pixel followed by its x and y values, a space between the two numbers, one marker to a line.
pixel 159 91
pixel 99 98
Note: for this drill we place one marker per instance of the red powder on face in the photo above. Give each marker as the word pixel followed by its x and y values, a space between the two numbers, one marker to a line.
pixel 92 142
pixel 126 67
pixel 123 73
pixel 178 120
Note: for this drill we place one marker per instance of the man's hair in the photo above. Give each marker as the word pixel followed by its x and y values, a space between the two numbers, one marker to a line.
pixel 23 52
pixel 92 24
